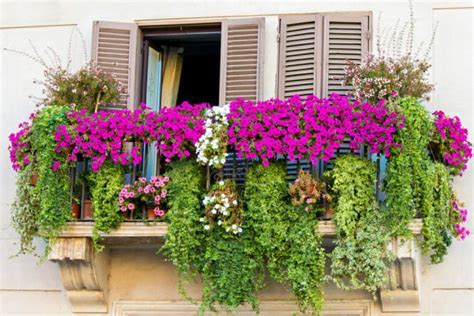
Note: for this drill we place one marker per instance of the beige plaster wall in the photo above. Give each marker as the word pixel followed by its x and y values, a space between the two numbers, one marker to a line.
pixel 30 289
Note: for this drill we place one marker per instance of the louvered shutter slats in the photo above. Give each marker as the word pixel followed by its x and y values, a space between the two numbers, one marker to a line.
pixel 345 40
pixel 114 47
pixel 241 60
pixel 299 56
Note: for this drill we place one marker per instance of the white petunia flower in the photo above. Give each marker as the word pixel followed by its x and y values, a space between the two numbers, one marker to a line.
pixel 207 227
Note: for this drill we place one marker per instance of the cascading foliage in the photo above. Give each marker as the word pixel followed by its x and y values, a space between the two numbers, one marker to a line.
pixel 105 188
pixel 183 242
pixel 285 237
pixel 408 168
pixel 360 259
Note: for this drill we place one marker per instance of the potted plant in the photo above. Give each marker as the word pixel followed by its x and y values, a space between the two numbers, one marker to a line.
pixel 148 196
pixel 311 194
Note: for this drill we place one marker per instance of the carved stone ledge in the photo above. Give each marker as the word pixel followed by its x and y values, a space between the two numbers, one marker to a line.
pixel 83 273
pixel 402 293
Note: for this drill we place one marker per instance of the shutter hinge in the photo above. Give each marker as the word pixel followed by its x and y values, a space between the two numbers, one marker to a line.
pixel 278 38
pixel 367 35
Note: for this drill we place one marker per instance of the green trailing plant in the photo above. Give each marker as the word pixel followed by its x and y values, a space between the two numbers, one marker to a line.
pixel 407 183
pixel 184 239
pixel 437 216
pixel 53 186
pixel 360 259
pixel 229 271
pixel 25 210
pixel 285 237
pixel 105 186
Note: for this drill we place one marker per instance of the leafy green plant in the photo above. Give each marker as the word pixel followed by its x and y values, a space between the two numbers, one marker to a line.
pixel 183 241
pixel 360 259
pixel 25 210
pixel 406 181
pixel 437 216
pixel 105 188
pixel 285 237
pixel 53 186
pixel 229 271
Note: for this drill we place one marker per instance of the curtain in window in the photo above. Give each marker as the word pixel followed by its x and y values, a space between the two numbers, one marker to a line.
pixel 172 66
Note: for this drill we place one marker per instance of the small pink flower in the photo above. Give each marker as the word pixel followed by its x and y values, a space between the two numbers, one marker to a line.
pixel 158 212
pixel 131 206
pixel 121 200
pixel 123 208
pixel 146 190
pixel 140 189
pixel 142 180
pixel 157 199
pixel 55 166
pixel 164 193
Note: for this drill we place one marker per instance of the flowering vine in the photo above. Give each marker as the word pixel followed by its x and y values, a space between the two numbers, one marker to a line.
pixel 450 142
pixel 20 146
pixel 458 217
pixel 222 208
pixel 103 135
pixel 212 145
pixel 177 129
pixel 310 128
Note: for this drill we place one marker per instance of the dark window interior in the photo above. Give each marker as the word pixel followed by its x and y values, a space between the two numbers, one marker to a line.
pixel 201 59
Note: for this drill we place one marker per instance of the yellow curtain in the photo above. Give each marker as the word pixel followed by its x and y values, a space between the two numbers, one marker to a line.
pixel 172 66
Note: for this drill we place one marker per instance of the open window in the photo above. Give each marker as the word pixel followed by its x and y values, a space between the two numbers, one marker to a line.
pixel 181 63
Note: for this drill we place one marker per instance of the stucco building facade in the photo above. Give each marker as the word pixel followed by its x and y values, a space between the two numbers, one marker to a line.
pixel 130 276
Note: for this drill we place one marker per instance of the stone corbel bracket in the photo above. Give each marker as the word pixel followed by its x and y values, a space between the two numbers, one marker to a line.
pixel 401 294
pixel 83 273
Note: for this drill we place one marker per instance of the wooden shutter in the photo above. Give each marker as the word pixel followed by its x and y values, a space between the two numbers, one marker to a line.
pixel 115 48
pixel 241 59
pixel 300 56
pixel 346 37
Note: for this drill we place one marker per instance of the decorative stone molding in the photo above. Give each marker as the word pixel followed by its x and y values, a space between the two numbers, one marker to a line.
pixel 83 273
pixel 402 293
pixel 353 307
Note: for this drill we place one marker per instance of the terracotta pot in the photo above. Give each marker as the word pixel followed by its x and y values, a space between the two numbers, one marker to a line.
pixel 126 215
pixel 150 214
pixel 328 213
pixel 88 212
pixel 75 210
pixel 34 178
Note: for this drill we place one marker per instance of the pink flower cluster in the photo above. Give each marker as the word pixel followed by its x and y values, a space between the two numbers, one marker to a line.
pixel 459 216
pixel 106 134
pixel 143 193
pixel 177 129
pixel 453 140
pixel 309 128
pixel 19 147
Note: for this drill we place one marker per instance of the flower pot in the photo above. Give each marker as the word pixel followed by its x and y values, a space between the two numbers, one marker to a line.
pixel 34 178
pixel 150 214
pixel 75 210
pixel 328 213
pixel 88 212
pixel 126 215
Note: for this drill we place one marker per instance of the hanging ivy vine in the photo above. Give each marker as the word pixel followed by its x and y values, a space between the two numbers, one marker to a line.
pixel 105 187
pixel 184 239
pixel 436 217
pixel 285 237
pixel 43 209
pixel 360 259
pixel 407 174
pixel 25 210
